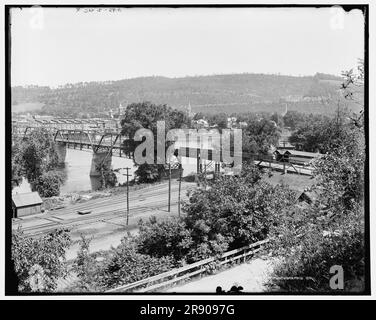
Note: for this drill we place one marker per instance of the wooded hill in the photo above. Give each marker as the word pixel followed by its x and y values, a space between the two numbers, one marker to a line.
pixel 232 93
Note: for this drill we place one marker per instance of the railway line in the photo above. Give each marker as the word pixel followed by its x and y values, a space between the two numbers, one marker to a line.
pixel 103 210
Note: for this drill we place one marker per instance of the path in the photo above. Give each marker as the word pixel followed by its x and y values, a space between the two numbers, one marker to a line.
pixel 251 276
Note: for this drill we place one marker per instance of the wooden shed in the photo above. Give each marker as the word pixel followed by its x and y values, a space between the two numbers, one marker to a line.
pixel 24 204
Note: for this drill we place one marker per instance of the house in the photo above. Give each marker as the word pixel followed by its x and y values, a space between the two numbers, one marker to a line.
pixel 24 204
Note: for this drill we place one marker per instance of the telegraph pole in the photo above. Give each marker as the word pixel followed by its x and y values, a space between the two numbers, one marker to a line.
pixel 127 194
pixel 169 187
pixel 180 177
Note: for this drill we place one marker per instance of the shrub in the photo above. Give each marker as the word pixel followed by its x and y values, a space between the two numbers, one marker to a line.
pixel 233 212
pixel 40 262
pixel 85 265
pixel 164 238
pixel 320 247
pixel 118 266
pixel 147 173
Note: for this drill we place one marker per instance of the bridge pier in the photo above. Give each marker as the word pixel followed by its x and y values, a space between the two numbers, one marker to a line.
pixel 96 161
pixel 61 148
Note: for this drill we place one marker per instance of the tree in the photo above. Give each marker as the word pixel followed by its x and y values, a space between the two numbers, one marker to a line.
pixel 108 177
pixel 146 115
pixel 330 231
pixel 168 237
pixel 85 266
pixel 48 183
pixel 39 262
pixel 353 90
pixel 259 135
pixel 35 158
pixel 218 119
pixel 233 212
pixel 322 133
pixel 147 173
pixel 294 119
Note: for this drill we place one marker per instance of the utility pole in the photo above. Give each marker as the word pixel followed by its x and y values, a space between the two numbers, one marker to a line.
pixel 180 177
pixel 127 194
pixel 169 187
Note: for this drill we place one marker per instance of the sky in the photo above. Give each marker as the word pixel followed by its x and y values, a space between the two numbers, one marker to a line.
pixel 55 46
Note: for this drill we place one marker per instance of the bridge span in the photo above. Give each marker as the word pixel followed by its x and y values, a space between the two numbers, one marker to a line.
pixel 104 144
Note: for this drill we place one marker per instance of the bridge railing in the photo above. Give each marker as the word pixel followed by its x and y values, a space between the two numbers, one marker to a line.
pixel 192 270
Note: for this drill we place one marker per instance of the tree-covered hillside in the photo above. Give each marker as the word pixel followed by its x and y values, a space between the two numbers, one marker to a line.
pixel 231 93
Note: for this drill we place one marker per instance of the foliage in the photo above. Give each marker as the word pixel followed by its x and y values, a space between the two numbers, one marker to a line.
pixel 233 212
pixel 217 119
pixel 118 266
pixel 36 154
pixel 36 158
pixel 108 177
pixel 146 115
pixel 48 183
pixel 125 265
pixel 148 173
pixel 211 94
pixel 16 162
pixel 39 258
pixel 164 238
pixel 311 244
pixel 340 175
pixel 85 266
pixel 230 213
pixel 294 119
pixel 321 133
pixel 259 135
pixel 330 231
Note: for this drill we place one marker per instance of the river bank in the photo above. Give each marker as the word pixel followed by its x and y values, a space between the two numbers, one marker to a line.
pixel 64 200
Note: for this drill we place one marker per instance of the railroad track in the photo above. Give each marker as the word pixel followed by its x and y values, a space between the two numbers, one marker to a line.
pixel 106 210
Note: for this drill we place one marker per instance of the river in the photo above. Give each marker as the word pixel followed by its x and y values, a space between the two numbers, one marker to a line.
pixel 77 169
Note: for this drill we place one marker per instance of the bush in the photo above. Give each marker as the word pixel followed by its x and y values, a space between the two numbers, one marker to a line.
pixel 125 265
pixel 119 266
pixel 85 265
pixel 147 173
pixel 233 212
pixel 317 250
pixel 164 238
pixel 40 262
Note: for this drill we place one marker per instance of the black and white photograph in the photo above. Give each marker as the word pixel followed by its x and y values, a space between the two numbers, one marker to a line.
pixel 187 150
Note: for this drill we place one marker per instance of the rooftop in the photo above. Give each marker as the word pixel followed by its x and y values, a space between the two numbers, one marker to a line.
pixel 26 199
pixel 300 153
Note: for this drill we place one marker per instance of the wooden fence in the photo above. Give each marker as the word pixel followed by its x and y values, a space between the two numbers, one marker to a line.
pixel 174 276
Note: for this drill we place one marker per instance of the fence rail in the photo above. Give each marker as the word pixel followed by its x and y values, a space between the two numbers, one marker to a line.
pixel 173 276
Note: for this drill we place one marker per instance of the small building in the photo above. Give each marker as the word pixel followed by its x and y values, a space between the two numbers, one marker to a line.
pixel 282 155
pixel 24 204
pixel 295 156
